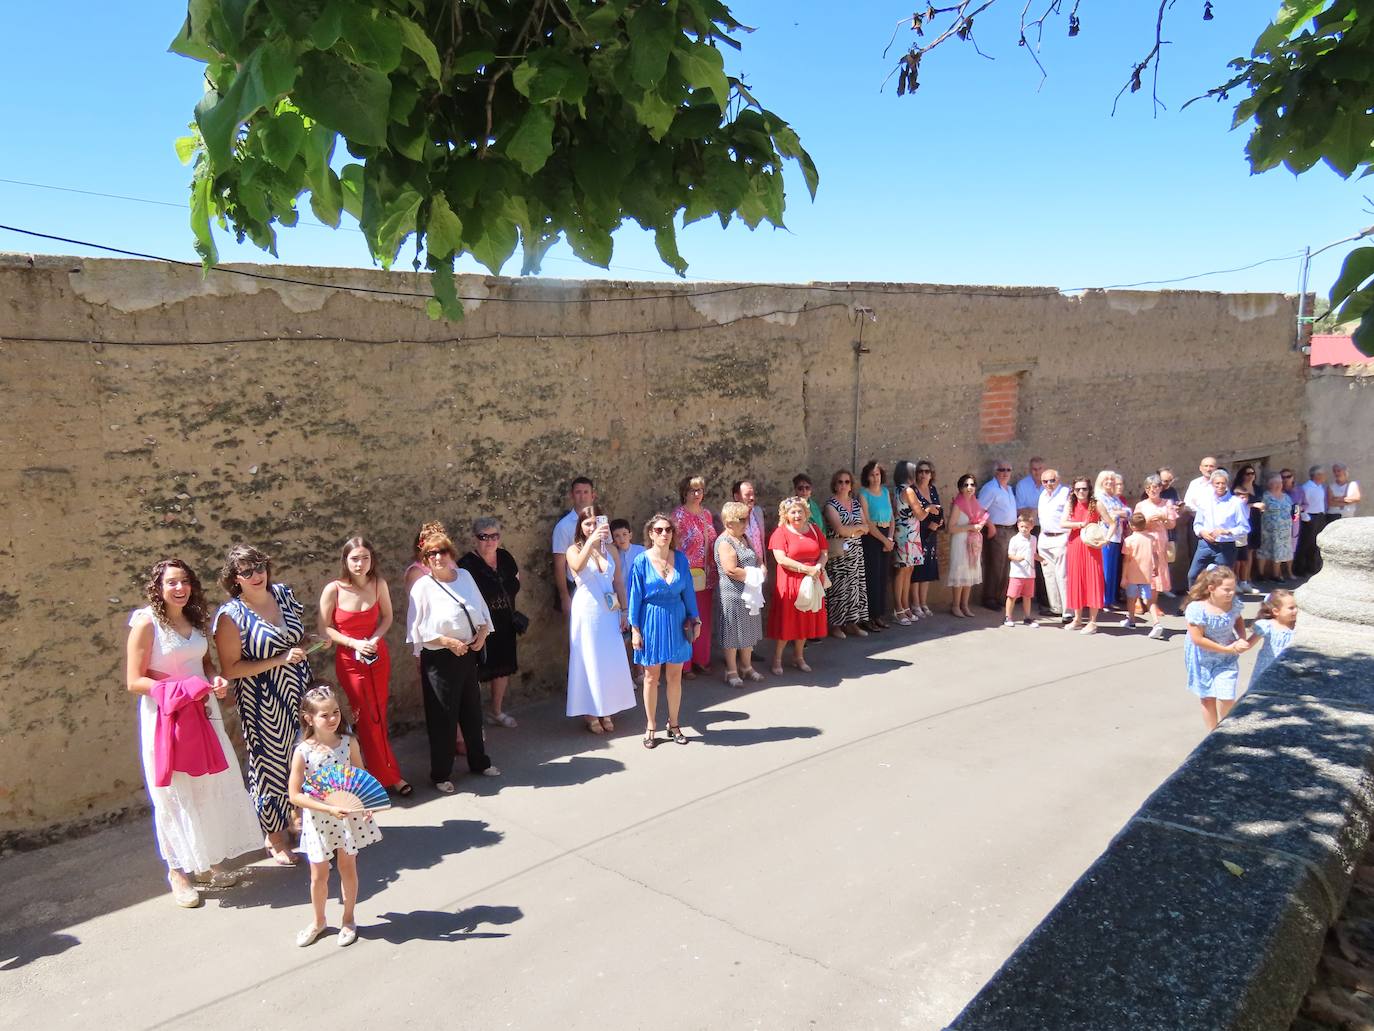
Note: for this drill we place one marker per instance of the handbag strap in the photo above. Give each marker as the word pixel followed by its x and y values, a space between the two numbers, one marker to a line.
pixel 472 629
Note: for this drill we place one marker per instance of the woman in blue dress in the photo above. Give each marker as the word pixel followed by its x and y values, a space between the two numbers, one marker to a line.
pixel 1216 638
pixel 258 636
pixel 663 621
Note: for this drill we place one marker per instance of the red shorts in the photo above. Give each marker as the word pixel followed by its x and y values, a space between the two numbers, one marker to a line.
pixel 1021 587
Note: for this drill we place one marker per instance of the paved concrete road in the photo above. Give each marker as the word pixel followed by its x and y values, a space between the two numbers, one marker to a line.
pixel 859 848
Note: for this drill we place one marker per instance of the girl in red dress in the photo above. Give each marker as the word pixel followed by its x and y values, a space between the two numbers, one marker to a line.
pixel 355 613
pixel 1083 580
pixel 799 550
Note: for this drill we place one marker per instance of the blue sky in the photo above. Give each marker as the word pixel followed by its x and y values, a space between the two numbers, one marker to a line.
pixel 985 176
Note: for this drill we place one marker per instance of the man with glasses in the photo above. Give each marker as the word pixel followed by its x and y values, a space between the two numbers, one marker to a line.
pixel 999 499
pixel 1196 500
pixel 1051 507
pixel 743 492
pixel 581 493
pixel 1028 503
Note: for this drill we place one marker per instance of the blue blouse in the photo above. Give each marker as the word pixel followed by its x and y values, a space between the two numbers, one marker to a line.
pixel 659 608
pixel 879 505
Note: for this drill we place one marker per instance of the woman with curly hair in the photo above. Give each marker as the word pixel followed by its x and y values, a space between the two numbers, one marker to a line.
pixel 201 819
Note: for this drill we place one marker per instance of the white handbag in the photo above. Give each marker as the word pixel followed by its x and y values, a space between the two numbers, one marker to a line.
pixel 810 595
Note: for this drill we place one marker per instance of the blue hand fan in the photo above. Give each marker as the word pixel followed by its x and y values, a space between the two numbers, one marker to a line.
pixel 347 787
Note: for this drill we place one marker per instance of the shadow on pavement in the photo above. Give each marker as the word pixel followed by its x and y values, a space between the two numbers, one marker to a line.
pixel 440 926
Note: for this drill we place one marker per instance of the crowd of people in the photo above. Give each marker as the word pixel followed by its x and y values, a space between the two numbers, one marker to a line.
pixel 656 611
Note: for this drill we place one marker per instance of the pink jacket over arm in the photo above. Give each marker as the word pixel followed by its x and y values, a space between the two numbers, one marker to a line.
pixel 184 741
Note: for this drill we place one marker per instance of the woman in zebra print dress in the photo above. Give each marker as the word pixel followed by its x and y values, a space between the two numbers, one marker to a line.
pixel 846 599
pixel 258 635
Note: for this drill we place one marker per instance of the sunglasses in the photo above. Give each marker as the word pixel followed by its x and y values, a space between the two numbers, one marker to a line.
pixel 660 529
pixel 248 572
pixel 924 469
pixel 843 483
pixel 489 536
pixel 1003 469
pixel 435 551
pixel 1081 490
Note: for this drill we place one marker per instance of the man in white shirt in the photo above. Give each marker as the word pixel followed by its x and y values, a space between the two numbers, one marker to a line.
pixel 1218 526
pixel 1343 494
pixel 581 493
pixel 1307 559
pixel 999 499
pixel 1197 497
pixel 1050 507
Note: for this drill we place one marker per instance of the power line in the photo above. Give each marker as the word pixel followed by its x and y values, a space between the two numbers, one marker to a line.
pixel 1185 279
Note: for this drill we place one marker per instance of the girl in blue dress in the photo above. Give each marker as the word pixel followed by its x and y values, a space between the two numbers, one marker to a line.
pixel 663 621
pixel 1216 639
pixel 1273 629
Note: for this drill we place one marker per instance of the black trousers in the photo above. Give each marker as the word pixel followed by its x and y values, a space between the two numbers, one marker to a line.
pixel 1042 598
pixel 1307 559
pixel 996 566
pixel 877 568
pixel 453 701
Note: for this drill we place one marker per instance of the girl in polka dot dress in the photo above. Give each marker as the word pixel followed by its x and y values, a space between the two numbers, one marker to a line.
pixel 328 832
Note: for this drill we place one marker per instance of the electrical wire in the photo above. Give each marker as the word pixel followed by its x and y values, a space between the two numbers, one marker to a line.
pixel 1184 279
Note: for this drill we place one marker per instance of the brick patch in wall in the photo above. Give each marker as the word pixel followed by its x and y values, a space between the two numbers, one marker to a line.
pixel 997 409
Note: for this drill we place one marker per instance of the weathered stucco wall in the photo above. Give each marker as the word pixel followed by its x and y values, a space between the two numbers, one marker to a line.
pixel 1340 421
pixel 152 413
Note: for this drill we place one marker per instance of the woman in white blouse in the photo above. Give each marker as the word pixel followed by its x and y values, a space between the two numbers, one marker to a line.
pixel 447 626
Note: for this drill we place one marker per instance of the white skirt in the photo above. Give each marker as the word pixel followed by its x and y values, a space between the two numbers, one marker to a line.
pixel 200 821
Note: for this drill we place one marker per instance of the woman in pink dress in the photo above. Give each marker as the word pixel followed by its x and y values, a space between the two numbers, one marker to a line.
pixel 696 536
pixel 1160 517
pixel 1083 581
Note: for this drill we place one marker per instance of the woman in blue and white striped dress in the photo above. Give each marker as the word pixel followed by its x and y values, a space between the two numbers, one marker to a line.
pixel 258 635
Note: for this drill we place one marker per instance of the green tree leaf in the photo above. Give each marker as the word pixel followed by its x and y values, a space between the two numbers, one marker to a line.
pixel 652 34
pixel 665 239
pixel 344 96
pixel 532 142
pixel 496 243
pixel 445 303
pixel 444 232
pixel 375 38
pixel 201 206
pixel 419 44
pixel 704 68
pixel 282 138
pixel 473 61
pixel 1358 267
pixel 186 147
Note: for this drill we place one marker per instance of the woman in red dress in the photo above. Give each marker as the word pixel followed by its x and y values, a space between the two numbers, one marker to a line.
pixel 1083 579
pixel 696 536
pixel 355 613
pixel 799 550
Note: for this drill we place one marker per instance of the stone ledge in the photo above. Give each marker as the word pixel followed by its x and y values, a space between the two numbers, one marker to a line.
pixel 1159 932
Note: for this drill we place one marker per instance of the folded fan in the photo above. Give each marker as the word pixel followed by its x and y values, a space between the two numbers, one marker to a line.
pixel 347 787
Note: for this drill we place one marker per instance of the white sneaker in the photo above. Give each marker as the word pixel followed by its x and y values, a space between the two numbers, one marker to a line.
pixel 1009 622
pixel 1129 624
pixel 1157 632
pixel 1247 587
pixel 1031 623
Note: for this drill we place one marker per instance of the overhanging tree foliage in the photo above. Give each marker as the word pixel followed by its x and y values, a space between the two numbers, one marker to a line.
pixel 1309 85
pixel 477 125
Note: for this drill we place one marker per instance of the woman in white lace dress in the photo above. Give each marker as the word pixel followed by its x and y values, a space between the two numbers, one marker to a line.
pixel 200 820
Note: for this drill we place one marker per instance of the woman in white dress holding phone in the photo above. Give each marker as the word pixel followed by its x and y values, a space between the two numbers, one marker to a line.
pixel 599 683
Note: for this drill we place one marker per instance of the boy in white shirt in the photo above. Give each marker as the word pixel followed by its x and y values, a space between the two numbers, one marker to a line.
pixel 1021 558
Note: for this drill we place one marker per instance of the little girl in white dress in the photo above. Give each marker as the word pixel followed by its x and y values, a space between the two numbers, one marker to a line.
pixel 326 832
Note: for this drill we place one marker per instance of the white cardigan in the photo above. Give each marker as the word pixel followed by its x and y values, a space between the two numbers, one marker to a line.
pixel 434 611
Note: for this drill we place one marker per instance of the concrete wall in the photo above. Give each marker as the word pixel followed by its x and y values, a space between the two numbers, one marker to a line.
pixel 1340 421
pixel 153 412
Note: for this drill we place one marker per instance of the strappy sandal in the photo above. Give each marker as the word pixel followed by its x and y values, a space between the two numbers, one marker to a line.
pixel 404 789
pixel 732 679
pixel 750 673
pixel 607 725
pixel 593 726
pixel 676 735
pixel 650 741
pixel 803 667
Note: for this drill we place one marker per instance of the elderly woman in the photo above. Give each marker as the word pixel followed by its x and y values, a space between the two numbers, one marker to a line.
pixel 1277 515
pixel 201 817
pixel 497 576
pixel 664 621
pixel 1161 515
pixel 966 528
pixel 447 626
pixel 258 636
pixel 847 599
pixel 696 537
pixel 738 628
pixel 599 684
pixel 355 613
pixel 799 550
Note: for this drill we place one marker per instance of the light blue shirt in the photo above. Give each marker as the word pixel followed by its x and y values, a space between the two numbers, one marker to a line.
pixel 1027 492
pixel 1228 513
pixel 1052 507
pixel 999 501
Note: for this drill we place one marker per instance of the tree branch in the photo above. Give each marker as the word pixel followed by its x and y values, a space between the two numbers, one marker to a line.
pixel 1133 83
